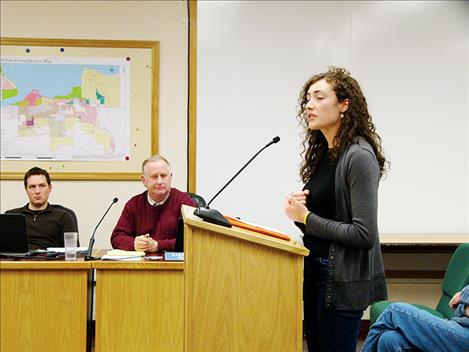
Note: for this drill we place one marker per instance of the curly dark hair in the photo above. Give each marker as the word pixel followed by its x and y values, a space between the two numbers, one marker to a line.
pixel 356 122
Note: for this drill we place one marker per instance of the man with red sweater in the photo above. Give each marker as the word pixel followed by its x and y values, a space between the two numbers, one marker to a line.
pixel 149 220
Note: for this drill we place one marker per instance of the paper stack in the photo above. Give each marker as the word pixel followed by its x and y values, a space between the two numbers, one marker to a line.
pixel 119 254
pixel 62 249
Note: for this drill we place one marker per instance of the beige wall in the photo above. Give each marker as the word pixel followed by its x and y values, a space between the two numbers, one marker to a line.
pixel 164 21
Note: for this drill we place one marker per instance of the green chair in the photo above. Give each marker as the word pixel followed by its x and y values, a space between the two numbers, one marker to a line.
pixel 456 277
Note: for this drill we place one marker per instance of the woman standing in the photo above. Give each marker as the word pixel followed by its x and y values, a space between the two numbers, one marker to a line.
pixel 337 210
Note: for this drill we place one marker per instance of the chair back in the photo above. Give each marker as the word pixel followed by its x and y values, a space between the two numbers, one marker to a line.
pixel 199 200
pixel 72 214
pixel 456 277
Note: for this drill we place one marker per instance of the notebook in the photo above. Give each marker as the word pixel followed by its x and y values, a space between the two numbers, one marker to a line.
pixel 13 235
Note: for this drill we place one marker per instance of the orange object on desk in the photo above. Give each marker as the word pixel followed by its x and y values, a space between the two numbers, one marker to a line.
pixel 247 226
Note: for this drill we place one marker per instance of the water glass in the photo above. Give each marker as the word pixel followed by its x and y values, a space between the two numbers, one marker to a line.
pixel 70 245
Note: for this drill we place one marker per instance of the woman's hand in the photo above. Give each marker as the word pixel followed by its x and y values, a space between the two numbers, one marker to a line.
pixel 295 205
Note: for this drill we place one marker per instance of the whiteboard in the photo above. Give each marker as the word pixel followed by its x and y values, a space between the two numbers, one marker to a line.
pixel 411 60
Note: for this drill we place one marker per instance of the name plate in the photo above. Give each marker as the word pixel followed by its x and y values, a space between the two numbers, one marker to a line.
pixel 174 256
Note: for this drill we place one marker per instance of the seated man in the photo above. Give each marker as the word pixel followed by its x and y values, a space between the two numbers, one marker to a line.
pixel 403 327
pixel 45 223
pixel 149 220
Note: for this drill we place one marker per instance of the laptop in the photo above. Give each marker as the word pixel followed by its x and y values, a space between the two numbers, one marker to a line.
pixel 13 235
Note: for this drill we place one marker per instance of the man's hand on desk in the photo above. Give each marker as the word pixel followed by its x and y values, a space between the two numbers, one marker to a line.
pixel 145 243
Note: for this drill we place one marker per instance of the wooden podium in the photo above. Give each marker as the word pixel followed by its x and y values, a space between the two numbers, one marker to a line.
pixel 243 290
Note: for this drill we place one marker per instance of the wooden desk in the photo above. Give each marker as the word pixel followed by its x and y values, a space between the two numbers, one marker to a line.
pixel 43 305
pixel 424 238
pixel 425 242
pixel 139 306
pixel 236 291
pixel 406 246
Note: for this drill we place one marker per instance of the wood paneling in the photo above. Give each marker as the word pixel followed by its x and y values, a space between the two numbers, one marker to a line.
pixel 139 309
pixel 43 309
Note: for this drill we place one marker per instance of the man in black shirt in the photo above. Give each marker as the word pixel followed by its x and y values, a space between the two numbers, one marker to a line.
pixel 45 223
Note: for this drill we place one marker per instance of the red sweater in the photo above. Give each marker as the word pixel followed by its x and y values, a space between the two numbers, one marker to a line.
pixel 139 218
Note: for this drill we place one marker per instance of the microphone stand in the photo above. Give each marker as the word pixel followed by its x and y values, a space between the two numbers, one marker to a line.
pixel 213 215
pixel 91 281
pixel 88 255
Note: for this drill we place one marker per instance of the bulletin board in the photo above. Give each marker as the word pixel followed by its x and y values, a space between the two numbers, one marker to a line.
pixel 106 124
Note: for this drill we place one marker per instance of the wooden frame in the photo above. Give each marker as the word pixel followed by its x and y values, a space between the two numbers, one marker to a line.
pixel 192 130
pixel 143 143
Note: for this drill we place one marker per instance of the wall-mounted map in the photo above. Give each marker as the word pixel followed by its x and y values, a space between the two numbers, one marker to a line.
pixel 83 109
pixel 65 108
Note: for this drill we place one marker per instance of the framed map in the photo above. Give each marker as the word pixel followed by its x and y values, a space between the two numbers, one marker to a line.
pixel 82 109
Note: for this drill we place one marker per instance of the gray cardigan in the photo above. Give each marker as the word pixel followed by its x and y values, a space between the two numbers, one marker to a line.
pixel 356 273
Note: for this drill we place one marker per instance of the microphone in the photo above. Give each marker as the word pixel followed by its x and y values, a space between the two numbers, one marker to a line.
pixel 214 216
pixel 90 245
pixel 273 141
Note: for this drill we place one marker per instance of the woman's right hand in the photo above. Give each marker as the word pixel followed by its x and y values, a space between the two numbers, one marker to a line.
pixel 295 206
pixel 300 196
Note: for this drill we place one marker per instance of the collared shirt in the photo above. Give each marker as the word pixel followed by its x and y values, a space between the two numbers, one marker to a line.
pixel 155 204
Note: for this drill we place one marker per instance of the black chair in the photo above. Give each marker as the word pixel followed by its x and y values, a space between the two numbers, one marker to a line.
pixel 72 214
pixel 179 245
pixel 199 200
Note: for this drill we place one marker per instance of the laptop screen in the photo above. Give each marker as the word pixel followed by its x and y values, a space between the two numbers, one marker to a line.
pixel 13 235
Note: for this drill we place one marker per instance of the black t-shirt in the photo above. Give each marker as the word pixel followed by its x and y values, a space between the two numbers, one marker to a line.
pixel 321 201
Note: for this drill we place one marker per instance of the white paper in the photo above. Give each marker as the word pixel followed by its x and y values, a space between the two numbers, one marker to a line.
pixel 124 258
pixel 62 249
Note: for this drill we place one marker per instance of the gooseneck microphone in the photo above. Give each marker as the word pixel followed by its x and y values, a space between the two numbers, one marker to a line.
pixel 90 245
pixel 274 140
pixel 214 216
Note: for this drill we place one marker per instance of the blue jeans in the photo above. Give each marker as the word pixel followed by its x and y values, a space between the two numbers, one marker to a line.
pixel 326 330
pixel 403 327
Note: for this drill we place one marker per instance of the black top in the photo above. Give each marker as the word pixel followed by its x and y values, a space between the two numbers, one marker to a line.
pixel 321 201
